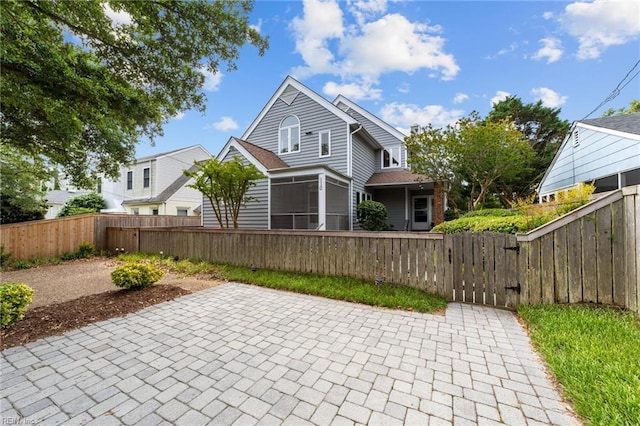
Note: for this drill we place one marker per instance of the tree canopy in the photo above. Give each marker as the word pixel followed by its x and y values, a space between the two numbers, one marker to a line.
pixel 543 129
pixel 87 203
pixel 634 106
pixel 83 82
pixel 479 152
pixel 225 185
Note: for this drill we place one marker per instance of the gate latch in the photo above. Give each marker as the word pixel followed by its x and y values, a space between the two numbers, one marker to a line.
pixel 515 248
pixel 517 288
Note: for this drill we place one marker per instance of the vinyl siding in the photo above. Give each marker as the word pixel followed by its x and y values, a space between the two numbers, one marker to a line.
pixel 253 215
pixel 393 199
pixel 170 167
pixel 313 118
pixel 363 168
pixel 598 154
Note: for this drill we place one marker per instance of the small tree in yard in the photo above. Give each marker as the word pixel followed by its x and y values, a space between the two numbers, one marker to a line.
pixel 226 186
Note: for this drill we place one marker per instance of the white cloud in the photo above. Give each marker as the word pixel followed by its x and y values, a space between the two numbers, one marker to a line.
pixel 354 91
pixel 403 116
pixel 460 97
pixel 257 26
pixel 117 18
pixel 404 88
pixel 501 95
pixel 600 24
pixel 373 46
pixel 211 81
pixel 321 22
pixel 512 48
pixel 178 116
pixel 548 15
pixel 225 124
pixel 548 97
pixel 551 50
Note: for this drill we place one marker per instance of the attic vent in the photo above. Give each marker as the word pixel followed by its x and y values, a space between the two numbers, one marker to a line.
pixel 416 128
pixel 576 138
pixel 343 107
pixel 289 95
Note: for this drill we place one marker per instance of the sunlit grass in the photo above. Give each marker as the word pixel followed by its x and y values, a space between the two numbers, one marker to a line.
pixel 595 354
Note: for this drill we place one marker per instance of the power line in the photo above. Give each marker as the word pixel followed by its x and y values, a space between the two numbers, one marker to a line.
pixel 615 92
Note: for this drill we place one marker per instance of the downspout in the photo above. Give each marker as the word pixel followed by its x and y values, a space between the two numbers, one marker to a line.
pixel 350 173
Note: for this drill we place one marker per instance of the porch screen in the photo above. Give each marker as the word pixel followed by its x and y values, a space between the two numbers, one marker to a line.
pixel 337 204
pixel 294 202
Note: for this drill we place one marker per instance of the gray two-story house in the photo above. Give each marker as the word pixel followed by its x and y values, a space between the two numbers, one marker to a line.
pixel 321 159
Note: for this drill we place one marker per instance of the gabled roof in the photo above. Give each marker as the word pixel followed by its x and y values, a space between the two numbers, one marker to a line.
pixel 396 177
pixel 267 158
pixel 263 159
pixel 292 82
pixel 164 154
pixel 61 197
pixel 168 191
pixel 626 123
pixel 372 117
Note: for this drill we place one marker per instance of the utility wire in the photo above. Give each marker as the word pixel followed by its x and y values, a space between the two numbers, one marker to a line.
pixel 618 88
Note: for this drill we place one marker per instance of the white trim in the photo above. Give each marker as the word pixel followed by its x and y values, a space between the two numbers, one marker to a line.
pixel 232 142
pixel 377 121
pixel 391 157
pixel 406 203
pixel 308 170
pixel 290 81
pixel 322 202
pixel 268 203
pixel 613 132
pixel 320 133
pixel 289 132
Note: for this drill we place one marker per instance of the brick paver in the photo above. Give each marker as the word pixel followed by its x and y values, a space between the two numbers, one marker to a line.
pixel 247 355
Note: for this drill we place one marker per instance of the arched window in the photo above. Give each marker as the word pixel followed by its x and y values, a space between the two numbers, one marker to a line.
pixel 289 135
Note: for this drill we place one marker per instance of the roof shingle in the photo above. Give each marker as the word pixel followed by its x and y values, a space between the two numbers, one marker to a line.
pixel 392 177
pixel 268 159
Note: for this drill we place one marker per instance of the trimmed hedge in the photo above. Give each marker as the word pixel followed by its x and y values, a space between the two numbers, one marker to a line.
pixel 502 224
pixel 135 276
pixel 489 212
pixel 14 300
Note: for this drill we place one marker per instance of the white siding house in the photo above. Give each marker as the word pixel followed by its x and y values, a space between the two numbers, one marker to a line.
pixel 605 151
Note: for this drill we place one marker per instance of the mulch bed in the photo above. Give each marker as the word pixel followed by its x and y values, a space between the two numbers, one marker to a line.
pixel 56 319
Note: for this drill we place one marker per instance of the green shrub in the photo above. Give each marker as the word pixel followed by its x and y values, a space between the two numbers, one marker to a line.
pixel 501 224
pixel 88 203
pixel 4 256
pixel 372 216
pixel 489 212
pixel 135 275
pixel 14 299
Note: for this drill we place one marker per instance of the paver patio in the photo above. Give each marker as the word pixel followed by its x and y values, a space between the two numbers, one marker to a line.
pixel 239 354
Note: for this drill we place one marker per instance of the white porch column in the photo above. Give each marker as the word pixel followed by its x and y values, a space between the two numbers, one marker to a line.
pixel 322 202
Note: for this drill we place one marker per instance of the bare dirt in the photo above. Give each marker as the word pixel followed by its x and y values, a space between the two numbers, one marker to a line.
pixel 80 292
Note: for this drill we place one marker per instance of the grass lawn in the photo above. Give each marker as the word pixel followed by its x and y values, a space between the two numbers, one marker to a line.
pixel 339 288
pixel 595 354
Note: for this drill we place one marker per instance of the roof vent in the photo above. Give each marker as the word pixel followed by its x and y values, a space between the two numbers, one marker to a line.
pixel 416 128
pixel 576 138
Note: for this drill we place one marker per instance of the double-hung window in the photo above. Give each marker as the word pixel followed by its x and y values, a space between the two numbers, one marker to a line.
pixel 130 179
pixel 289 138
pixel 146 178
pixel 324 139
pixel 391 157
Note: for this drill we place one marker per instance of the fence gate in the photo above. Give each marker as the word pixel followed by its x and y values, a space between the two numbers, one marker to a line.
pixel 123 239
pixel 483 268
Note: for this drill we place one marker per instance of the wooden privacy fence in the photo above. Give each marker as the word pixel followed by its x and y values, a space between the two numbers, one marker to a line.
pixel 50 238
pixel 590 255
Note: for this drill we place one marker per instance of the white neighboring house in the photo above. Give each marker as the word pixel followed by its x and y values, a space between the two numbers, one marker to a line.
pixel 605 151
pixel 57 198
pixel 156 185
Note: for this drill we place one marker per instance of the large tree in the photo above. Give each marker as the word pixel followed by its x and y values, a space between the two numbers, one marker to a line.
pixel 479 152
pixel 634 106
pixel 226 186
pixel 84 81
pixel 543 129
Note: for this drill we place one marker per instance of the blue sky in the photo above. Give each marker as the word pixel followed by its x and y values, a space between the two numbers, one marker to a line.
pixel 424 62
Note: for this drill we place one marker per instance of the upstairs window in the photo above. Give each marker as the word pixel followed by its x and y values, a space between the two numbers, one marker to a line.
pixel 99 188
pixel 289 135
pixel 325 143
pixel 391 158
pixel 130 179
pixel 146 177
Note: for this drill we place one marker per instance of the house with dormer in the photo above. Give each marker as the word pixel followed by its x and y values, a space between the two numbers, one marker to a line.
pixel 321 159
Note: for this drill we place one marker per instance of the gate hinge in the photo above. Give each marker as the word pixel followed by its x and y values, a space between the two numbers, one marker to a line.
pixel 515 248
pixel 517 288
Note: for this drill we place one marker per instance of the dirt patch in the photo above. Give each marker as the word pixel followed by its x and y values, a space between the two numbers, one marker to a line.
pixel 77 293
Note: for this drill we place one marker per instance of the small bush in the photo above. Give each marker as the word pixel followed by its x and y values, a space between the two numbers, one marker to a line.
pixel 135 275
pixel 501 224
pixel 85 249
pixel 372 216
pixel 14 299
pixel 4 256
pixel 489 212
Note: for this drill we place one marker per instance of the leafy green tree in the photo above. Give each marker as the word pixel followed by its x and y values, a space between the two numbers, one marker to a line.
pixel 543 129
pixel 634 106
pixel 88 203
pixel 226 186
pixel 21 179
pixel 488 152
pixel 81 88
